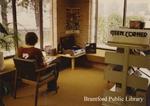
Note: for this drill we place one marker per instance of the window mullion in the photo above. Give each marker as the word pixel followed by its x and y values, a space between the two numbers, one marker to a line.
pixel 41 22
pixel 124 13
pixel 14 13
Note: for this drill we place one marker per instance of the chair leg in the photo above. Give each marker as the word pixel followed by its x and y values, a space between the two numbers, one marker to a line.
pixel 36 94
pixel 15 85
pixel 1 102
pixel 57 89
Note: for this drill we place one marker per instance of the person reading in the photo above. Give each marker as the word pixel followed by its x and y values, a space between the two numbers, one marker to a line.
pixel 29 51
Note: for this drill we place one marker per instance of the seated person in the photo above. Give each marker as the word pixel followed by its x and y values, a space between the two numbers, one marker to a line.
pixel 30 52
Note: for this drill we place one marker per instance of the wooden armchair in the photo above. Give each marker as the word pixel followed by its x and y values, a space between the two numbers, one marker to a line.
pixel 27 71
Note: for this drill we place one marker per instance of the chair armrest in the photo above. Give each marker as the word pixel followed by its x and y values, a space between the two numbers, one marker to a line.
pixel 46 67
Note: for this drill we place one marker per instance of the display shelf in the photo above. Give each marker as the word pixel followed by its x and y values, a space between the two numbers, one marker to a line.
pixel 113 57
pixel 131 46
pixel 139 61
pixel 118 58
pixel 137 82
pixel 114 76
pixel 145 73
pixel 126 60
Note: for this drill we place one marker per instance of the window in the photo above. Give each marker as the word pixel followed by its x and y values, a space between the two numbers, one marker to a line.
pixel 109 16
pixel 93 19
pixel 27 19
pixel 28 15
pixel 139 10
pixel 6 21
pixel 47 22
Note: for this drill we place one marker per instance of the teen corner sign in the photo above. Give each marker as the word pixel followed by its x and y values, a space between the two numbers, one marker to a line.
pixel 130 36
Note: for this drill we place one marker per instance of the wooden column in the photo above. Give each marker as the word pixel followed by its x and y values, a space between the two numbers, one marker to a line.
pixel 14 14
pixel 41 22
pixel 96 21
pixel 124 13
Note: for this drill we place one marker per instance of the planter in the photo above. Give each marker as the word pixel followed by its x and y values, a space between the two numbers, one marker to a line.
pixel 1 61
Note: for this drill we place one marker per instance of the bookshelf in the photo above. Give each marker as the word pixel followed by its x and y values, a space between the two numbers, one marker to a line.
pixel 129 89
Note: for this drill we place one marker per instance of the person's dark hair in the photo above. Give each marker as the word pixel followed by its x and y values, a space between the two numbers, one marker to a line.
pixel 31 38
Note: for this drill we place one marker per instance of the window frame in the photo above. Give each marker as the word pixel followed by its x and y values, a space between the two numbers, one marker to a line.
pixel 96 21
pixel 15 28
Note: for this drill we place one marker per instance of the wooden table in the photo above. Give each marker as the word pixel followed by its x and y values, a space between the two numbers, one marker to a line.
pixel 9 66
pixel 7 74
pixel 72 58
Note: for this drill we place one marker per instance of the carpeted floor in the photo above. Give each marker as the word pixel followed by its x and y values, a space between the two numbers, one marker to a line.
pixel 74 85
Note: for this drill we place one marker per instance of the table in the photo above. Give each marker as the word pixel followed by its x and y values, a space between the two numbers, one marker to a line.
pixel 72 58
pixel 9 66
pixel 7 74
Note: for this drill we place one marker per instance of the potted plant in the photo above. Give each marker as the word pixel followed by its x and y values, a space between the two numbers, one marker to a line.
pixel 6 42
